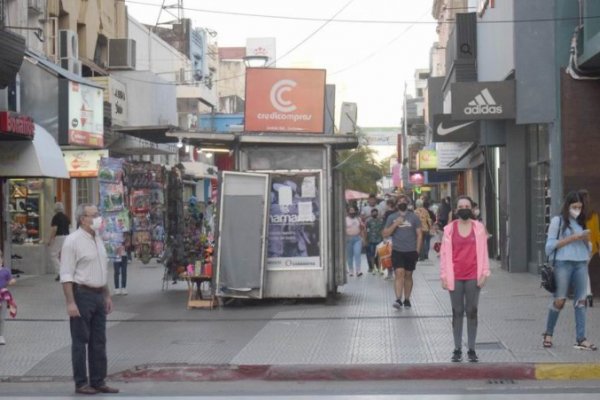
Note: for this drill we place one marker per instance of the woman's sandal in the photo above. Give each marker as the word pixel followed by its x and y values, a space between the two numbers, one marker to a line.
pixel 585 345
pixel 547 343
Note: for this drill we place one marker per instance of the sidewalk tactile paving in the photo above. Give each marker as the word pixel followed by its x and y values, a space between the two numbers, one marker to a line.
pixel 361 327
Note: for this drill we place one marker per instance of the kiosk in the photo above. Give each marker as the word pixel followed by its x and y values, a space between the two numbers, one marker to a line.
pixel 280 216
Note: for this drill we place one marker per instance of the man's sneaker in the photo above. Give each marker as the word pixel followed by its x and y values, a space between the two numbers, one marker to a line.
pixel 407 303
pixel 456 355
pixel 2 341
pixel 117 291
pixel 397 304
pixel 124 292
pixel 472 356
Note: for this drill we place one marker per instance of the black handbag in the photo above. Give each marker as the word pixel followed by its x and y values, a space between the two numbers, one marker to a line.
pixel 547 271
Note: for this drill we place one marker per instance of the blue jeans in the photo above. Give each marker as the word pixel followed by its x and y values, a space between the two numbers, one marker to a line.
pixel 353 252
pixel 425 248
pixel 371 248
pixel 121 270
pixel 570 273
pixel 88 336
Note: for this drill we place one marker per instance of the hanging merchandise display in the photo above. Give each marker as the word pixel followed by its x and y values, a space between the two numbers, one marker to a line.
pixel 115 216
pixel 146 184
pixel 175 255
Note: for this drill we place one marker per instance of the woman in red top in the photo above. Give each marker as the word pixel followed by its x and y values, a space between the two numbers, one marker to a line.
pixel 464 267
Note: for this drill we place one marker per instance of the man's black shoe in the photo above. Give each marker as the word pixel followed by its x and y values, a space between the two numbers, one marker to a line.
pixel 106 389
pixel 456 355
pixel 407 303
pixel 472 356
pixel 85 390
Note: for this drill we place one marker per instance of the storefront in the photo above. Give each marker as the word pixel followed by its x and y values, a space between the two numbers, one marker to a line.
pixel 29 156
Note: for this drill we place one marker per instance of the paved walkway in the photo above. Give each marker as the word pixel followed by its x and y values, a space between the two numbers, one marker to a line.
pixel 151 327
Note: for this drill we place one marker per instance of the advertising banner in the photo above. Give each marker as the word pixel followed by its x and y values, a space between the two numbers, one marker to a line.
pixel 294 222
pixel 83 121
pixel 285 100
pixel 448 152
pixel 427 159
pixel 83 163
pixel 483 100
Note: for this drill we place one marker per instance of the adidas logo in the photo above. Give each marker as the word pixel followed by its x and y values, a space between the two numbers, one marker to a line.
pixel 483 103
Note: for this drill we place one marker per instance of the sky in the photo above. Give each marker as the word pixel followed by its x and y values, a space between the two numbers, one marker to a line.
pixel 368 62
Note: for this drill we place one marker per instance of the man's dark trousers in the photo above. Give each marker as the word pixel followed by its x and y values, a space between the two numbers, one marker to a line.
pixel 88 335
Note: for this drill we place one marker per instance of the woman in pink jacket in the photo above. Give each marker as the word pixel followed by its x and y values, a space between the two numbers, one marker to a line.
pixel 464 268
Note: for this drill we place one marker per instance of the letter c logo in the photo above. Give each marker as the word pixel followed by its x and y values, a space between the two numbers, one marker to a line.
pixel 277 92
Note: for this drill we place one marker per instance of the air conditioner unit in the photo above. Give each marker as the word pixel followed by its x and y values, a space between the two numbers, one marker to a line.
pixel 121 54
pixel 36 6
pixel 71 65
pixel 68 46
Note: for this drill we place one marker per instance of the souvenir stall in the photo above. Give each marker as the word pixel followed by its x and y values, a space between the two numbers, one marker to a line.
pixel 146 183
pixel 113 206
pixel 188 253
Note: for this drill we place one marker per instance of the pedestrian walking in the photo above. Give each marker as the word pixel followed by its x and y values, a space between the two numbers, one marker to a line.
pixel 593 225
pixel 390 208
pixel 354 232
pixel 374 237
pixel 59 229
pixel 426 226
pixel 464 268
pixel 444 212
pixel 372 203
pixel 404 227
pixel 120 269
pixel 83 274
pixel 568 243
pixel 6 300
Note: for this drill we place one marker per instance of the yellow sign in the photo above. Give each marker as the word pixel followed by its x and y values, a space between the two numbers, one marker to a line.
pixel 427 159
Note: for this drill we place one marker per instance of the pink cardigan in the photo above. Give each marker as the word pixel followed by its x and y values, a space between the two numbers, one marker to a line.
pixel 446 263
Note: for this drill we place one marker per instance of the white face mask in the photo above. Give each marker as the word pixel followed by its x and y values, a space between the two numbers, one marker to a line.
pixel 574 212
pixel 96 223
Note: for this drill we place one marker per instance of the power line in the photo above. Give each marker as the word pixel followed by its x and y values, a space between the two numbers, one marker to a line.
pixel 313 33
pixel 374 53
pixel 364 21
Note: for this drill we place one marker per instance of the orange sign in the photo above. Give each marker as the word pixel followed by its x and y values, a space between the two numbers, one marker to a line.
pixel 285 100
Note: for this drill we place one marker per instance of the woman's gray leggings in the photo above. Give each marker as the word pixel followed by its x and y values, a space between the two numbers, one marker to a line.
pixel 464 297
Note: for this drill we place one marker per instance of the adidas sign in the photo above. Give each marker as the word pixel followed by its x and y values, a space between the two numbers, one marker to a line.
pixel 483 104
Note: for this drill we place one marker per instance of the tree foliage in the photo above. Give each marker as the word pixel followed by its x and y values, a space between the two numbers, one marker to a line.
pixel 360 169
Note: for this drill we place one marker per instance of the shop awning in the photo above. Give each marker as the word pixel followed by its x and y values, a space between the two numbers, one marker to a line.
pixel 38 158
pixel 153 133
pixel 229 140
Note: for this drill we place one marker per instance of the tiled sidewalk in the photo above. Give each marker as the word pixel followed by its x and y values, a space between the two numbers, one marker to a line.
pixel 151 326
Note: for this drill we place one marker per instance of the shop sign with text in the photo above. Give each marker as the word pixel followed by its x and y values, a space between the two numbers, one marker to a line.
pixel 483 100
pixel 285 100
pixel 14 125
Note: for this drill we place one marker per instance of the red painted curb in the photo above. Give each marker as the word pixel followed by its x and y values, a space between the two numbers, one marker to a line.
pixel 191 373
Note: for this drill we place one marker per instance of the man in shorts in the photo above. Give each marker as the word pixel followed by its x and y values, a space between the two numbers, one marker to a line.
pixel 404 226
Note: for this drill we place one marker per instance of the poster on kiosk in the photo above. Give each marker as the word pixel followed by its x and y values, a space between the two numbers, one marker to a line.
pixel 294 221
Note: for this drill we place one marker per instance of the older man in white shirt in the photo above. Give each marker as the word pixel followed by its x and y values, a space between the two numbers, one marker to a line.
pixel 83 274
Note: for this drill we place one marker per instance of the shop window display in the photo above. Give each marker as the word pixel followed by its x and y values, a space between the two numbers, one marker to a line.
pixel 24 206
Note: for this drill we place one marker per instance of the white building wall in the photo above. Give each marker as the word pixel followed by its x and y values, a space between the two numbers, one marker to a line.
pixel 155 55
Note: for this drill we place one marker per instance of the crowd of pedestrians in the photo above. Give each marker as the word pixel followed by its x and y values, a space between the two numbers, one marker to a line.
pixel 409 231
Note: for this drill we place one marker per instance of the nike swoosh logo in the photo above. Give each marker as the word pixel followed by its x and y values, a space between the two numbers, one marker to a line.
pixel 445 131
